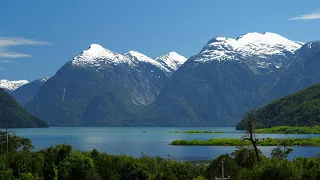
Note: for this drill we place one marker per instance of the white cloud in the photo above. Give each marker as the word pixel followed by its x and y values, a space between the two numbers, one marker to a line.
pixel 310 16
pixel 7 42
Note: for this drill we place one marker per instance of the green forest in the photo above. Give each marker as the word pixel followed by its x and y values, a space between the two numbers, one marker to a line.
pixel 298 109
pixel 63 162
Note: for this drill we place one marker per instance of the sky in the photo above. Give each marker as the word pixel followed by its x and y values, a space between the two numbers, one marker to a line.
pixel 38 37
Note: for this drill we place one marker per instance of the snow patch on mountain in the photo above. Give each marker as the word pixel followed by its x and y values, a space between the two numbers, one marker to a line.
pixel 136 56
pixel 45 79
pixel 249 45
pixel 12 85
pixel 172 60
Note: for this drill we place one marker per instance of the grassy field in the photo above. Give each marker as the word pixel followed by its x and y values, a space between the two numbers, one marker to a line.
pixel 240 142
pixel 290 130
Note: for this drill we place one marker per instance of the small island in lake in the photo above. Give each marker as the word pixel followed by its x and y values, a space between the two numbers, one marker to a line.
pixel 240 142
pixel 197 132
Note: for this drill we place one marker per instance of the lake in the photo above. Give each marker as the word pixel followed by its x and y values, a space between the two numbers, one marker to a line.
pixel 154 142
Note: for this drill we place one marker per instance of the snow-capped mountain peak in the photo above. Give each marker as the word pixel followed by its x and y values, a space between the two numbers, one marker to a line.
pixel 96 55
pixel 138 56
pixel 268 38
pixel 248 45
pixel 172 60
pixel 12 85
pixel 258 50
pixel 96 51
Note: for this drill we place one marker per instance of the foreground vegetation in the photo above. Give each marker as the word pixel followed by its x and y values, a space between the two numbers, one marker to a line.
pixel 197 132
pixel 241 142
pixel 63 163
pixel 290 130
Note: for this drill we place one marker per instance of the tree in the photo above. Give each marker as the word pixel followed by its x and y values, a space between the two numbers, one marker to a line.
pixel 16 143
pixel 28 176
pixel 135 171
pixel 280 153
pixel 245 156
pixel 250 120
pixel 78 166
pixel 214 169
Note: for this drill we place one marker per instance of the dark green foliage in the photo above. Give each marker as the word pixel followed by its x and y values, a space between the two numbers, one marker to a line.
pixel 77 166
pixel 245 156
pixel 299 109
pixel 15 116
pixel 214 168
pixel 15 142
pixel 135 171
pixel 281 153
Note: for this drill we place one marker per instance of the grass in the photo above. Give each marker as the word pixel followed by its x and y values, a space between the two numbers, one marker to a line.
pixel 197 132
pixel 240 142
pixel 290 130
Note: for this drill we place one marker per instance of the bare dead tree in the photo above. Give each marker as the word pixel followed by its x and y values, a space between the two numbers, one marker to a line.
pixel 250 120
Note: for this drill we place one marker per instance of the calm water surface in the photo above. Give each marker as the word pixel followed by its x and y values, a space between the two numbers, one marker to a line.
pixel 132 141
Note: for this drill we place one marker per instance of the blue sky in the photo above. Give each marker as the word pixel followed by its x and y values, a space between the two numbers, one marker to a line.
pixel 37 37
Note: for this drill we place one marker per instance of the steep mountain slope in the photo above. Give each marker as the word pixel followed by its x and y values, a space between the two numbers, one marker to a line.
pixel 299 109
pixel 301 73
pixel 100 87
pixel 14 116
pixel 217 86
pixel 12 85
pixel 25 93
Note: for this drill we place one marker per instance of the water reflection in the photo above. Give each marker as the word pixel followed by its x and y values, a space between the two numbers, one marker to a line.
pixel 154 142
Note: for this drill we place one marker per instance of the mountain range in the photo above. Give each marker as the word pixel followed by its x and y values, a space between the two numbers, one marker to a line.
pixel 212 88
pixel 100 87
